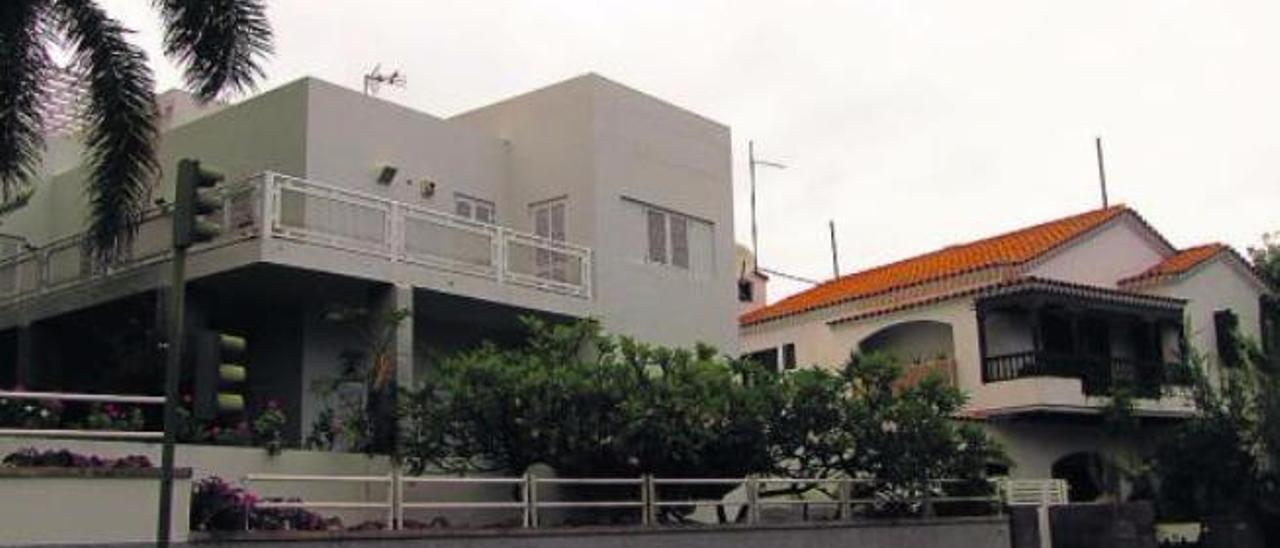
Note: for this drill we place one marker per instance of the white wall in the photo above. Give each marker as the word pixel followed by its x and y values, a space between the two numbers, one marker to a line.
pixel 605 147
pixel 1121 248
pixel 350 137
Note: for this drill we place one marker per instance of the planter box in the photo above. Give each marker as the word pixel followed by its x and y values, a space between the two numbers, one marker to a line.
pixel 83 505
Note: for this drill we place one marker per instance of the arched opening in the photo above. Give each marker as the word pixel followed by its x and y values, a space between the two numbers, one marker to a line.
pixel 922 347
pixel 1086 473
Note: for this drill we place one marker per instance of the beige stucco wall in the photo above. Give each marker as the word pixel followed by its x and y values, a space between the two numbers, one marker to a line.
pixel 820 344
pixel 1121 248
pixel 1217 284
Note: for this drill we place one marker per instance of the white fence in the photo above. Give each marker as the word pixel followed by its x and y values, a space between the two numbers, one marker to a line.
pixel 63 397
pixel 323 215
pixel 844 495
pixel 331 216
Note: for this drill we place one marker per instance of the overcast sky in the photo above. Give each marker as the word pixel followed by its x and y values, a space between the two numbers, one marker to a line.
pixel 913 124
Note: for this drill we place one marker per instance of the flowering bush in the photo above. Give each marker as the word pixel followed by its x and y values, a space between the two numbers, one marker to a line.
pixel 268 428
pixel 265 430
pixel 32 457
pixel 114 417
pixel 219 506
pixel 29 413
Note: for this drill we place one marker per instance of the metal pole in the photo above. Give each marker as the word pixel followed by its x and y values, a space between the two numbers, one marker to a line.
pixel 1102 170
pixel 172 370
pixel 755 243
pixel 835 255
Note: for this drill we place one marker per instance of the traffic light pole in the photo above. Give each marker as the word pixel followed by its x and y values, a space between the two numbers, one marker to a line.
pixel 172 375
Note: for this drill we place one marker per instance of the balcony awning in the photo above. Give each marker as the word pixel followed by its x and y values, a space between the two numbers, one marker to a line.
pixel 1056 291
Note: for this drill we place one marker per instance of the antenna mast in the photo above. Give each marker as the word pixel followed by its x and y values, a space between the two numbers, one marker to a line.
pixel 1102 171
pixel 752 162
pixel 835 255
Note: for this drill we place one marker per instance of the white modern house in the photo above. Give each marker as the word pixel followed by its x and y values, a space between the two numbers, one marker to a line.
pixel 582 199
pixel 1036 326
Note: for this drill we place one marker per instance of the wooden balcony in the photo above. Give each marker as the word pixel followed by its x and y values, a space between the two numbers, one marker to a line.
pixel 1098 375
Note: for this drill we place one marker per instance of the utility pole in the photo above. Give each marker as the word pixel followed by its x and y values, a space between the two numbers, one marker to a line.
pixel 752 162
pixel 1102 170
pixel 835 255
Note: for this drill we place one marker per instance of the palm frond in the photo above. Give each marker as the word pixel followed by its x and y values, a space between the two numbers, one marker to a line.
pixel 23 62
pixel 220 43
pixel 120 123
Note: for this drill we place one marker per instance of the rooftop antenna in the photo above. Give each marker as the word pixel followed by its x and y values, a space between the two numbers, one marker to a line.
pixel 752 162
pixel 1102 170
pixel 375 78
pixel 835 255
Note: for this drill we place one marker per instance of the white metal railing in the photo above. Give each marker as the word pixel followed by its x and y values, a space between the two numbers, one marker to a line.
pixel 318 214
pixel 842 493
pixel 81 433
pixel 65 263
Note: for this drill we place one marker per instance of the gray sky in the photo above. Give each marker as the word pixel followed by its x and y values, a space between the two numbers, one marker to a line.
pixel 913 124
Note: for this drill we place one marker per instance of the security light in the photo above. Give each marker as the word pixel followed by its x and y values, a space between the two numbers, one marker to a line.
pixel 387 174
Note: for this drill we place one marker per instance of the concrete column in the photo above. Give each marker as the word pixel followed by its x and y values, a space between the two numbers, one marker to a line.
pixel 24 364
pixel 391 299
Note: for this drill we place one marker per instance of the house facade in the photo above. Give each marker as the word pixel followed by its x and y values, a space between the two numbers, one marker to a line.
pixel 1037 326
pixel 582 199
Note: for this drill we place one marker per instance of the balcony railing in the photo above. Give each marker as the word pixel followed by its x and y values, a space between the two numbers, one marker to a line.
pixel 321 215
pixel 1147 378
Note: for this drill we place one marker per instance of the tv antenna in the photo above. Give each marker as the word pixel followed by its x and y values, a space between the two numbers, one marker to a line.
pixel 752 162
pixel 375 78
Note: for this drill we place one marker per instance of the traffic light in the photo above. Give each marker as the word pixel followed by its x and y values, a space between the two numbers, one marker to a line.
pixel 195 201
pixel 220 373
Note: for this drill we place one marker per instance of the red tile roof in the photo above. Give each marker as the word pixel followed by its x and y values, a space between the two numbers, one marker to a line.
pixel 1179 262
pixel 1007 249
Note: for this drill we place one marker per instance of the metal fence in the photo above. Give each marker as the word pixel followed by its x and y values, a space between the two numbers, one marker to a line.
pixel 64 397
pixel 847 497
pixel 317 214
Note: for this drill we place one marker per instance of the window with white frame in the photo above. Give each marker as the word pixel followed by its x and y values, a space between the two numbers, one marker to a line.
pixel 549 222
pixel 680 242
pixel 473 208
pixel 669 237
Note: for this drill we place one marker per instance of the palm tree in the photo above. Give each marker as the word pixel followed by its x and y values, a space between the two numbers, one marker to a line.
pixel 219 43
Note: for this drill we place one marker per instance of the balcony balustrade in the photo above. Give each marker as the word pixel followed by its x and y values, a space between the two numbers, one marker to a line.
pixel 1099 375
pixel 323 216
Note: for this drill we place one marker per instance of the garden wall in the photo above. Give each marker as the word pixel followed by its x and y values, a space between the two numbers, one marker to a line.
pixel 990 532
pixel 233 463
pixel 78 505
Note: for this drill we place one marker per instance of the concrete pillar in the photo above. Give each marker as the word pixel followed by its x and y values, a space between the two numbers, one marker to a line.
pixel 390 299
pixel 24 364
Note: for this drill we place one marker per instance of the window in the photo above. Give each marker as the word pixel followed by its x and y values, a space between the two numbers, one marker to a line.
pixel 746 291
pixel 549 222
pixel 767 358
pixel 474 208
pixel 679 241
pixel 1270 328
pixel 789 356
pixel 1225 324
pixel 657 236
pixel 668 241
